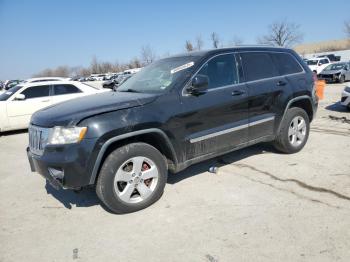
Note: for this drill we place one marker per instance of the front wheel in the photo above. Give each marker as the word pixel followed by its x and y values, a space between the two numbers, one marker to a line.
pixel 132 178
pixel 294 131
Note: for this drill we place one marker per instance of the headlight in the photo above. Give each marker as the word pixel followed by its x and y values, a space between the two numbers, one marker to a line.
pixel 347 89
pixel 66 135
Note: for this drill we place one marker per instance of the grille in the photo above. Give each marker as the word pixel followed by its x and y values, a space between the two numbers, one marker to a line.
pixel 38 138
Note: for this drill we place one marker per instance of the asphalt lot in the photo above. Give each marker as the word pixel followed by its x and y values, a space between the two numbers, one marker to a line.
pixel 260 206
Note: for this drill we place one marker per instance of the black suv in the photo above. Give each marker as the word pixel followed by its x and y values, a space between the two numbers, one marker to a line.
pixel 175 112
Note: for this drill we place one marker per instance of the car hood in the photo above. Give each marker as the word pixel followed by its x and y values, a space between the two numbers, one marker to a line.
pixel 71 112
pixel 330 72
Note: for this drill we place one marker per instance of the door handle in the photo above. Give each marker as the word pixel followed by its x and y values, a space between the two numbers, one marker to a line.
pixel 237 93
pixel 281 83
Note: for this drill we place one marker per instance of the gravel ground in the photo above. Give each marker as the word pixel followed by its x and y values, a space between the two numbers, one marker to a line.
pixel 260 206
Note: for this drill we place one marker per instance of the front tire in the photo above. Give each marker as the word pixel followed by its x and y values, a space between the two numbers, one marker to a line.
pixel 132 178
pixel 294 131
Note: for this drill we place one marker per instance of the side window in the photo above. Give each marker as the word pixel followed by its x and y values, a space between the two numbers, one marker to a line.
pixel 36 91
pixel 221 71
pixel 324 61
pixel 258 65
pixel 286 63
pixel 65 89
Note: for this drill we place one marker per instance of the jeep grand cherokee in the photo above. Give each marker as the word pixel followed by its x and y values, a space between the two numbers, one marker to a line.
pixel 175 112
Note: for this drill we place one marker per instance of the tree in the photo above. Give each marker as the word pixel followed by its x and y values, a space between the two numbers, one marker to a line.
pixel 199 42
pixel 189 46
pixel 347 28
pixel 215 39
pixel 237 41
pixel 147 55
pixel 282 33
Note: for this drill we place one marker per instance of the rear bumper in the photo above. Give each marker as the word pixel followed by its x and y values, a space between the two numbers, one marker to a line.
pixel 68 166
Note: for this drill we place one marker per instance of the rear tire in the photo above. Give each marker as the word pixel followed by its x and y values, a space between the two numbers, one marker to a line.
pixel 132 178
pixel 294 131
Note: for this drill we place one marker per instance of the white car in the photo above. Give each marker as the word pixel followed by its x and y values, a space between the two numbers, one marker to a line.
pixel 345 97
pixel 318 64
pixel 19 103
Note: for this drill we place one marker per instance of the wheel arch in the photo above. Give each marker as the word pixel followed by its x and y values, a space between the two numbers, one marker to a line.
pixel 154 137
pixel 303 102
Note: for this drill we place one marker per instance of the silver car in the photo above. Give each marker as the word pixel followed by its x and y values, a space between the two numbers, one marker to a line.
pixel 337 72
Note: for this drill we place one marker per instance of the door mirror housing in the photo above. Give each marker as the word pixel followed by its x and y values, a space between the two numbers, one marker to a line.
pixel 199 85
pixel 20 97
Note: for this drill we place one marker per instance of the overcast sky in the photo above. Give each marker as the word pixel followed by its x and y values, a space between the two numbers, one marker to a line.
pixel 39 34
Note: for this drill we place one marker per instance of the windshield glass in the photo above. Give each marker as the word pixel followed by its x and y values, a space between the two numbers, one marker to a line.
pixel 338 66
pixel 7 94
pixel 312 62
pixel 159 76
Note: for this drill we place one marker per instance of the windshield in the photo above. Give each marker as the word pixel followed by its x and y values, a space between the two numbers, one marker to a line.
pixel 7 94
pixel 312 62
pixel 338 66
pixel 159 76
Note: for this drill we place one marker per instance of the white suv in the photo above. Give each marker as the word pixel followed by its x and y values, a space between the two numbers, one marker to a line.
pixel 318 64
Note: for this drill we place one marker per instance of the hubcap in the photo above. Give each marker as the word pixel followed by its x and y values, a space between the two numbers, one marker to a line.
pixel 297 131
pixel 136 179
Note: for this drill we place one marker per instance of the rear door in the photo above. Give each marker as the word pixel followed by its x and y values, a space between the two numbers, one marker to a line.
pixel 20 111
pixel 264 84
pixel 217 120
pixel 64 92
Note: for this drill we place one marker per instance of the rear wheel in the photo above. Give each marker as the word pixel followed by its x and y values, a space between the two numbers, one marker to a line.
pixel 342 79
pixel 132 177
pixel 294 131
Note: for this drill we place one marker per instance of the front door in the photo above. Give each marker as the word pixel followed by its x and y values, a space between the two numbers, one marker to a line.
pixel 218 119
pixel 20 111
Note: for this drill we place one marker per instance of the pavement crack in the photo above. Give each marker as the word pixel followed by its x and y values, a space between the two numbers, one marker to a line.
pixel 330 131
pixel 299 183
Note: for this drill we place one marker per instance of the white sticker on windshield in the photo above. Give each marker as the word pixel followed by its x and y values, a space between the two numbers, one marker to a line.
pixel 183 67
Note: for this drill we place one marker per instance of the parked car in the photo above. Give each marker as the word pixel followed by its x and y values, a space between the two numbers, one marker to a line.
pixel 345 97
pixel 97 77
pixel 176 112
pixel 11 83
pixel 114 83
pixel 318 64
pixel 337 72
pixel 19 103
pixel 332 57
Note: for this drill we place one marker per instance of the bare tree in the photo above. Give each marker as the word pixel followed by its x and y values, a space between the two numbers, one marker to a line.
pixel 199 42
pixel 147 55
pixel 215 39
pixel 188 46
pixel 282 33
pixel 237 41
pixel 94 66
pixel 347 28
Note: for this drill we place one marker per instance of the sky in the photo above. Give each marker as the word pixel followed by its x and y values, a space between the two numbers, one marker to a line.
pixel 40 34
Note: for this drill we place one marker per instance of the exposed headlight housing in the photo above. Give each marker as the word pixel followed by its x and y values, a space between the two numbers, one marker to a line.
pixel 347 89
pixel 66 135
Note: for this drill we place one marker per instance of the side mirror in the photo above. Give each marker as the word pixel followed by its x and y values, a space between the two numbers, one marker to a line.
pixel 319 64
pixel 199 85
pixel 20 97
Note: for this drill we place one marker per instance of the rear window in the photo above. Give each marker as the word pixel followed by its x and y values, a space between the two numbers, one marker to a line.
pixel 286 63
pixel 258 65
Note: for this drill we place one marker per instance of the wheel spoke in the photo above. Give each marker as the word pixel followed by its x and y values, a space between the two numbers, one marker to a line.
pixel 300 136
pixel 295 122
pixel 301 125
pixel 144 190
pixel 291 131
pixel 150 173
pixel 123 176
pixel 126 194
pixel 294 138
pixel 137 164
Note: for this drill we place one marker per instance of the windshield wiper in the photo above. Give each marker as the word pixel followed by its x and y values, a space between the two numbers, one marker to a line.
pixel 130 90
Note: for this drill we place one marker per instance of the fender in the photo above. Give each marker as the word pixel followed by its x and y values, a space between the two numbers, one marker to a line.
pixel 288 106
pixel 124 136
